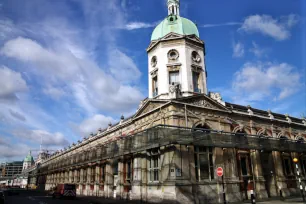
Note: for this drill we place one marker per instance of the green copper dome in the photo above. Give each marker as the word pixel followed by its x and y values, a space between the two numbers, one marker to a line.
pixel 29 158
pixel 175 24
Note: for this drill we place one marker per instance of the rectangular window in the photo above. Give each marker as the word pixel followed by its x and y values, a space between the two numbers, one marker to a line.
pixel 128 170
pixel 174 77
pixel 303 164
pixel 102 173
pixel 204 167
pixel 245 165
pixel 155 86
pixel 287 165
pixel 154 165
pixel 195 79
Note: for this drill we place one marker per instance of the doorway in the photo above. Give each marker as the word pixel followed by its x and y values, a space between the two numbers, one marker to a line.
pixel 267 164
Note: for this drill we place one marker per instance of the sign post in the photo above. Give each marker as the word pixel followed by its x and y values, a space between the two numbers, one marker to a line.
pixel 220 174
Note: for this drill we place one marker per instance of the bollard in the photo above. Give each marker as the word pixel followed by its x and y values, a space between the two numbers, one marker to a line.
pixel 253 200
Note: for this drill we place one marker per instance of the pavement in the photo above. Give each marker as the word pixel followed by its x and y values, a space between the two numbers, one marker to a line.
pixel 37 197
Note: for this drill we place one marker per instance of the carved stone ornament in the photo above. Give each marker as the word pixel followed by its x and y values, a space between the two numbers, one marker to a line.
pixel 173 54
pixel 202 103
pixel 217 97
pixel 154 61
pixel 195 57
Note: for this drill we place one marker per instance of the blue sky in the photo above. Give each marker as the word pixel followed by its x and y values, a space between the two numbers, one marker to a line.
pixel 69 67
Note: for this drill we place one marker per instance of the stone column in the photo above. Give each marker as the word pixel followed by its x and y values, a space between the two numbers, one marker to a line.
pixel 97 181
pixel 81 175
pixel 169 162
pixel 109 180
pixel 260 189
pixel 136 189
pixel 144 176
pixel 71 176
pixel 120 184
pixel 67 177
pixel 88 189
pixel 280 176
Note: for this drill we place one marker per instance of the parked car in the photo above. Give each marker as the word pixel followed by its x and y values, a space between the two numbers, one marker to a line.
pixel 64 190
pixel 2 197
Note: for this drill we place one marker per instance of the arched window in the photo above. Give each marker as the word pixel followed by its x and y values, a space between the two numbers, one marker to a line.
pixel 202 127
pixel 283 138
pixel 300 140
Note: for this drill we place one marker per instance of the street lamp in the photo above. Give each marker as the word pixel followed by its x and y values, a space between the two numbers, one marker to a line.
pixel 295 160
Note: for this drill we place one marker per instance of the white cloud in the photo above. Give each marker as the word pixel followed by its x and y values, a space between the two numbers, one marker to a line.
pixel 91 125
pixel 238 49
pixel 90 86
pixel 123 67
pixel 8 29
pixel 9 151
pixel 54 92
pixel 257 82
pixel 138 25
pixel 278 29
pixel 17 115
pixel 48 139
pixel 257 51
pixel 220 24
pixel 11 83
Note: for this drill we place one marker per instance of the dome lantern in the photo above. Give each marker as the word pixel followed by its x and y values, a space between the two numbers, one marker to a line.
pixel 174 23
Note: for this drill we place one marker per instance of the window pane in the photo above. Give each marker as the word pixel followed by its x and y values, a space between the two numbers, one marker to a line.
pixel 204 171
pixel 196 160
pixel 156 175
pixel 287 166
pixel 211 160
pixel 212 172
pixel 173 77
pixel 195 78
pixel 151 176
pixel 244 167
pixel 155 162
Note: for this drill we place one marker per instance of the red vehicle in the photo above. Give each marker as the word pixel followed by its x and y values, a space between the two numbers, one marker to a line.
pixel 64 190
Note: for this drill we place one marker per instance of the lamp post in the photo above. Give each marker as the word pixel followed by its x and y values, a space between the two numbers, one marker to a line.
pixel 295 160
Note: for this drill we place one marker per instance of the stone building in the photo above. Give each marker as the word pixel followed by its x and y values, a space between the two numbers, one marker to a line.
pixel 28 161
pixel 168 151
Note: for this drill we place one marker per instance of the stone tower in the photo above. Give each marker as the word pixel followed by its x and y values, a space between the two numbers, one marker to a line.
pixel 176 57
pixel 28 161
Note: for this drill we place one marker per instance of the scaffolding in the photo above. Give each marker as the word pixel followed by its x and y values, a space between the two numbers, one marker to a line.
pixel 163 135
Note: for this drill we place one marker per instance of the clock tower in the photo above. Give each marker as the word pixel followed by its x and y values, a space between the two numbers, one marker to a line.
pixel 176 57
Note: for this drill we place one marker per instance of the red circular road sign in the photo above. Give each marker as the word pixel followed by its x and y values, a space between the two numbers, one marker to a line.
pixel 219 171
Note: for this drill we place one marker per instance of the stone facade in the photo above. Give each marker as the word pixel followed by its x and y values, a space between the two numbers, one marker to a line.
pixel 172 171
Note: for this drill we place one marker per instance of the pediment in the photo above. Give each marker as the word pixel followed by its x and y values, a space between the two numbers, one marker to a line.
pixel 149 106
pixel 172 36
pixel 203 101
pixel 195 38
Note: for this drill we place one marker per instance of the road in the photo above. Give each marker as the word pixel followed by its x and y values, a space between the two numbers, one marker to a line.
pixel 36 197
pixel 32 197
